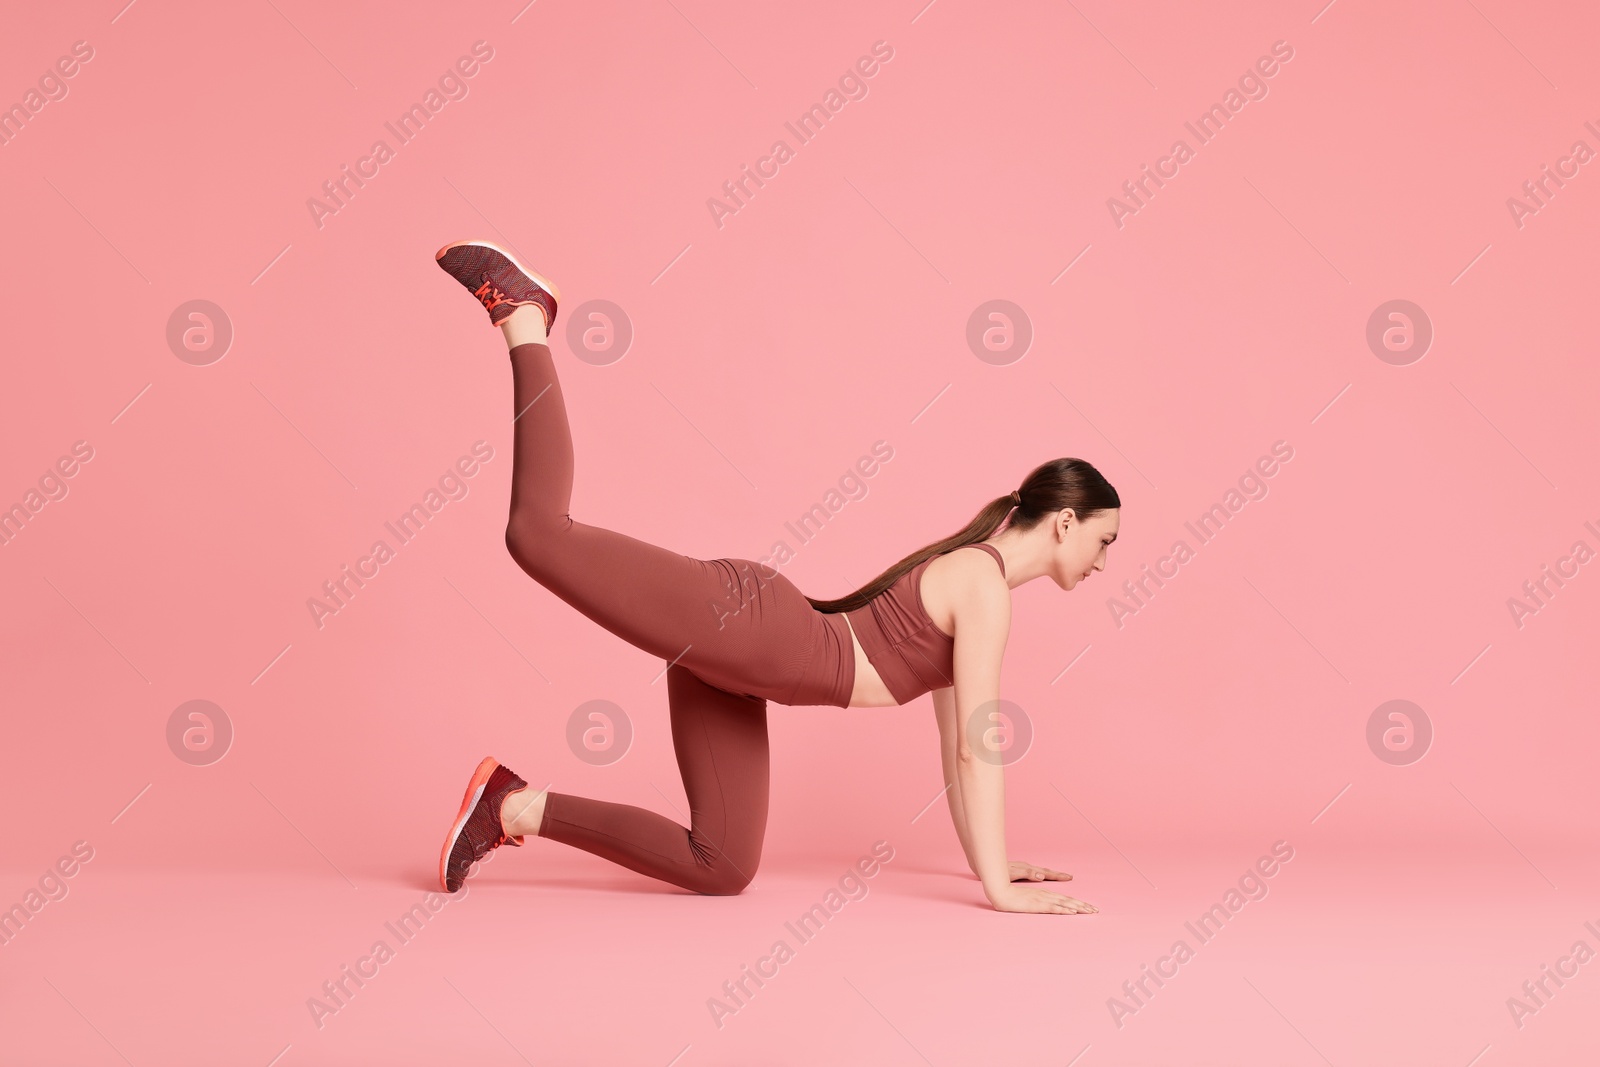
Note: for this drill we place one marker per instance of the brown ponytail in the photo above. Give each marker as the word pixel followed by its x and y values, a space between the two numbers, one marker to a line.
pixel 1060 483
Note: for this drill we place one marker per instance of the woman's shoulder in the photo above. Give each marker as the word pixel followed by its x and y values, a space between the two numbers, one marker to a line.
pixel 958 581
pixel 984 562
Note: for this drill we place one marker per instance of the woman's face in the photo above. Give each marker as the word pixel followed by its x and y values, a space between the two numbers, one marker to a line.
pixel 1082 550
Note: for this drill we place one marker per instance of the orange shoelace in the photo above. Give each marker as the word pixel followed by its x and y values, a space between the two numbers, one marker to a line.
pixel 491 295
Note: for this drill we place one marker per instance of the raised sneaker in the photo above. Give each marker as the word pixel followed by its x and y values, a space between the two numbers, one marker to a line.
pixel 494 276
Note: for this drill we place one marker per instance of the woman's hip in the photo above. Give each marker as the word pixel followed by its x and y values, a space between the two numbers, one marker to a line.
pixel 769 641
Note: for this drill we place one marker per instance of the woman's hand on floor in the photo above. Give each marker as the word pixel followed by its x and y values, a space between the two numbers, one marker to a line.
pixel 1028 872
pixel 1037 899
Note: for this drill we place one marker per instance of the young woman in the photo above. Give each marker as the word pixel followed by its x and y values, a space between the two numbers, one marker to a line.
pixel 735 637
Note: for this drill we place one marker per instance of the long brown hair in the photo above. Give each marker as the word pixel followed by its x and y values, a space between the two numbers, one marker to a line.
pixel 1060 483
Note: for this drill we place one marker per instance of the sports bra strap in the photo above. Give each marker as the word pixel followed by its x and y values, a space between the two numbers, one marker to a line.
pixel 993 551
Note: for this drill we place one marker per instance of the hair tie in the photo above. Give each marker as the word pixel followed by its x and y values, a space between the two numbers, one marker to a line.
pixel 1016 496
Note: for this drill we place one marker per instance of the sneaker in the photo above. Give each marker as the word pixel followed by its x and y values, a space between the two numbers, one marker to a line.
pixel 496 278
pixel 477 830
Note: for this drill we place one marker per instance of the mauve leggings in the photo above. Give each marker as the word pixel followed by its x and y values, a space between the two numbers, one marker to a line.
pixel 735 635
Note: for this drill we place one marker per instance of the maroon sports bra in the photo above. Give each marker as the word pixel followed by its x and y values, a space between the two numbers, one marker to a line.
pixel 910 653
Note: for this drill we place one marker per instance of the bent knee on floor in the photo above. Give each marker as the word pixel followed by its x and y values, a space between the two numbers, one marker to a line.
pixel 727 878
pixel 728 884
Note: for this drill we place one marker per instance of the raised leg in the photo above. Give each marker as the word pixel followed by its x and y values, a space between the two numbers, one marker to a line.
pixel 730 624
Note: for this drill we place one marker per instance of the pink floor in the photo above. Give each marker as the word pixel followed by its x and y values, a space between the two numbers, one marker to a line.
pixel 1393 956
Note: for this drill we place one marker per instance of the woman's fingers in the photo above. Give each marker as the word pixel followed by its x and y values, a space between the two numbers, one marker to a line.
pixel 1039 899
pixel 1076 905
pixel 1034 873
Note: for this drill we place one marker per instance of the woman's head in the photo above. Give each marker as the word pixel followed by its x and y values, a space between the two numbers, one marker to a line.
pixel 1073 512
pixel 1066 504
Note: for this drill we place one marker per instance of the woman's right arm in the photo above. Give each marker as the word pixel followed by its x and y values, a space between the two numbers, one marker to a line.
pixel 944 713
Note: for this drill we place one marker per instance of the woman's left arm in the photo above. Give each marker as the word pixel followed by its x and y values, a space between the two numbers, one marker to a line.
pixel 944 712
pixel 982 625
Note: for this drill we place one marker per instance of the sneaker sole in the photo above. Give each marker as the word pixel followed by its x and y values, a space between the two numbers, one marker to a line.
pixel 544 283
pixel 480 778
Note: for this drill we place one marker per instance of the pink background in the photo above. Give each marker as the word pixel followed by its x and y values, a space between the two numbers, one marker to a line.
pixel 769 354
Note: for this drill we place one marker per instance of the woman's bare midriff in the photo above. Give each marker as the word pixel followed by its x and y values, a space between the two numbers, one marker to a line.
pixel 868 690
